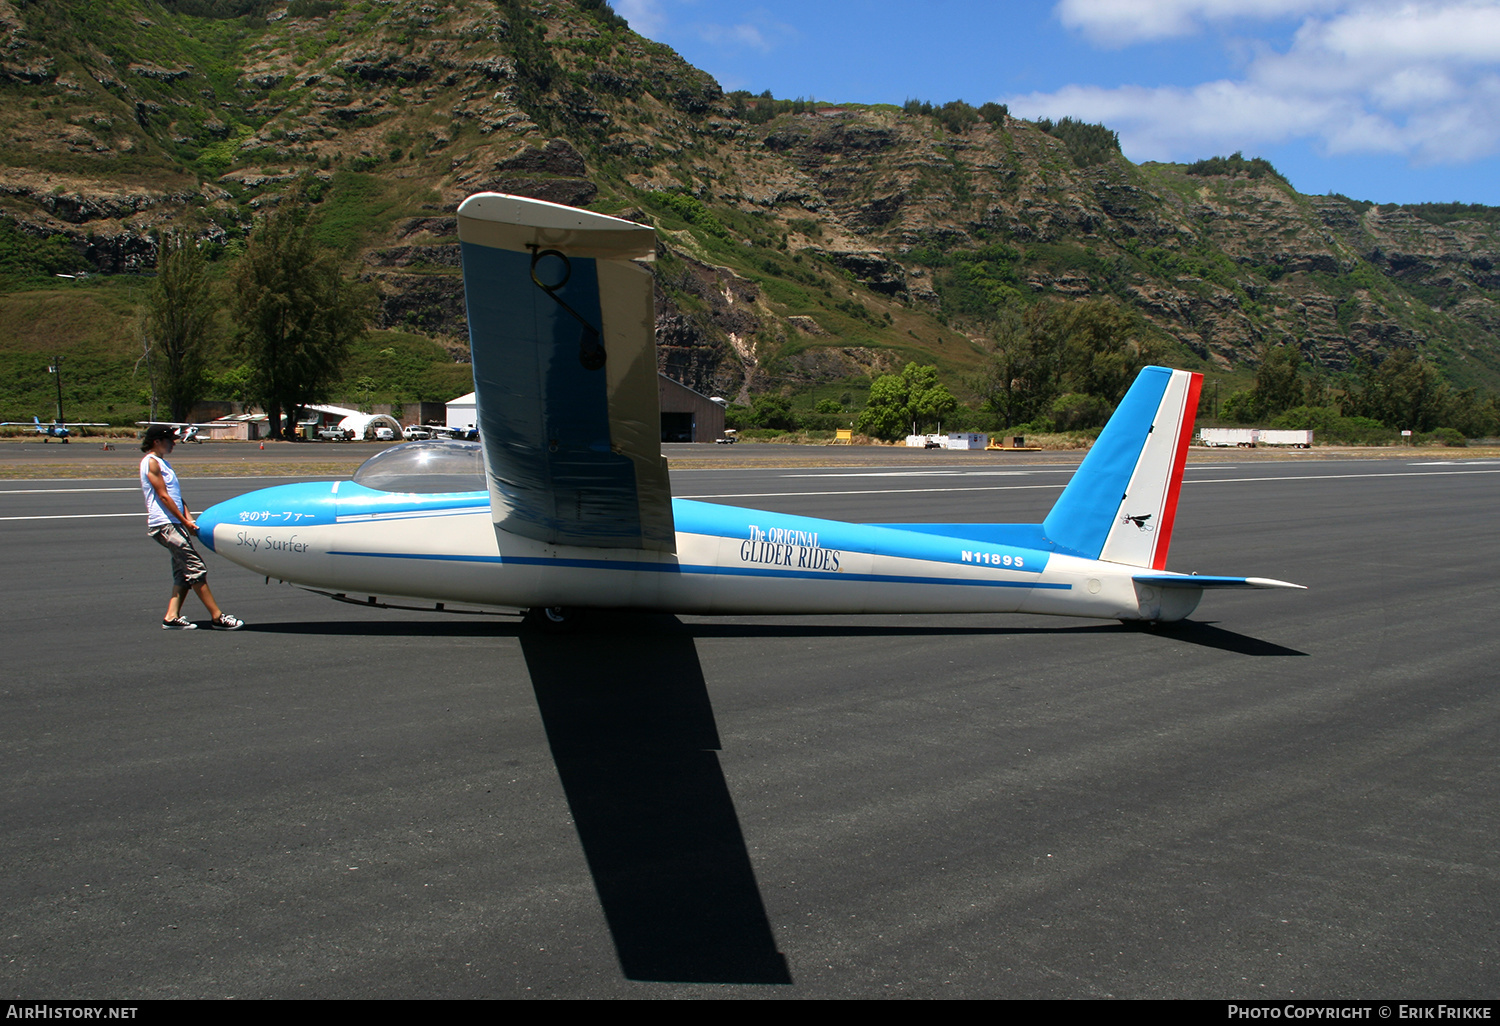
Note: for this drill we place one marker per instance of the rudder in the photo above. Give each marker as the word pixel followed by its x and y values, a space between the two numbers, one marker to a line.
pixel 1121 504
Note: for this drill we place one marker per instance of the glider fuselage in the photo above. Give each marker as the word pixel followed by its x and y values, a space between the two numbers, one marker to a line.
pixel 344 538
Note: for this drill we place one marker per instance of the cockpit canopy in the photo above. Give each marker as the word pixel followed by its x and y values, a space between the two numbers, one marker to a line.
pixel 425 467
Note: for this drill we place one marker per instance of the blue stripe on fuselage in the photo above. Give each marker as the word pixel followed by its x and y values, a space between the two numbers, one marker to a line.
pixel 1026 536
pixel 631 566
pixel 760 526
pixel 815 542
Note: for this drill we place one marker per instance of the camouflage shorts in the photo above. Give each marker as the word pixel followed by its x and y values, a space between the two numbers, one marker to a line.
pixel 187 565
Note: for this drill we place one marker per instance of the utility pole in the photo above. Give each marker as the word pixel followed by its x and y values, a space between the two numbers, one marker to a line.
pixel 150 369
pixel 56 369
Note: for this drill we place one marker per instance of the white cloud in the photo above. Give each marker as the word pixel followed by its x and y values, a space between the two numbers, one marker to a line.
pixel 1416 87
pixel 1417 79
pixel 756 29
pixel 759 31
pixel 735 36
pixel 1174 124
pixel 645 16
pixel 1115 23
pixel 1467 32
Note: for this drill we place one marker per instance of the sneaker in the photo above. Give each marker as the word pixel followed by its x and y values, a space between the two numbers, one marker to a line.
pixel 180 623
pixel 225 622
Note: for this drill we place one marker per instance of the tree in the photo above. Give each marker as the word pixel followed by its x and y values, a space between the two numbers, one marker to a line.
pixel 1074 410
pixel 296 315
pixel 1088 144
pixel 928 399
pixel 1060 349
pixel 1238 406
pixel 994 113
pixel 1316 392
pixel 899 400
pixel 1098 358
pixel 772 411
pixel 1404 391
pixel 1278 382
pixel 1472 414
pixel 180 322
pixel 884 415
pixel 1022 379
pixel 956 116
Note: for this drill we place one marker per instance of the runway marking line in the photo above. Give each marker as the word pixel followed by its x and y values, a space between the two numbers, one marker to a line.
pixel 60 491
pixel 907 491
pixel 1007 488
pixel 77 516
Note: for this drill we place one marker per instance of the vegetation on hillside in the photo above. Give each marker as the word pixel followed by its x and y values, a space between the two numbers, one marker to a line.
pixel 1447 213
pixel 958 116
pixel 1088 144
pixel 806 249
pixel 1236 166
pixel 27 261
pixel 1401 392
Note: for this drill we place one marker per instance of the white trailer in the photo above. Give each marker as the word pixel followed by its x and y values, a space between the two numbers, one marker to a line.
pixel 1227 438
pixel 1249 438
pixel 1295 439
pixel 967 440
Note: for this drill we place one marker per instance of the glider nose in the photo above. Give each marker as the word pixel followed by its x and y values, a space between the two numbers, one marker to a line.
pixel 215 517
pixel 235 527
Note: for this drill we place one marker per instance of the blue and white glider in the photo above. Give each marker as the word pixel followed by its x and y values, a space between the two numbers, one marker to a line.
pixel 565 505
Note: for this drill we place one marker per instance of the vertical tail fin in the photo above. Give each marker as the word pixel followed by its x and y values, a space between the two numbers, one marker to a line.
pixel 1121 504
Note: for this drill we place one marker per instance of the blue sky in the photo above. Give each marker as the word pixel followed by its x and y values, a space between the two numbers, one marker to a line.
pixel 1384 100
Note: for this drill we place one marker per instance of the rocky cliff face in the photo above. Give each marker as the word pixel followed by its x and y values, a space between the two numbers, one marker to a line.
pixel 797 245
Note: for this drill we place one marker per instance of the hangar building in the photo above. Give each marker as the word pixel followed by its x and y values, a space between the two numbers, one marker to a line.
pixel 686 416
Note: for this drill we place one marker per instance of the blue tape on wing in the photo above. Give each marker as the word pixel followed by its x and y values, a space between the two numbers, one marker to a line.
pixel 544 415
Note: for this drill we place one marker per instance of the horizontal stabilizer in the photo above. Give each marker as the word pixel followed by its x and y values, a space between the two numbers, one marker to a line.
pixel 1199 581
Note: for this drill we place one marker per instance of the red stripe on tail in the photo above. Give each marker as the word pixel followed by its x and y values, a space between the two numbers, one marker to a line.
pixel 1174 485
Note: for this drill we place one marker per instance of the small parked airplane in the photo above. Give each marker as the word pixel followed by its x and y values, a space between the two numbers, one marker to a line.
pixel 57 429
pixel 186 431
pixel 564 504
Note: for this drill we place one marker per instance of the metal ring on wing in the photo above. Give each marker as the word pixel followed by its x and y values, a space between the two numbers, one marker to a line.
pixel 590 349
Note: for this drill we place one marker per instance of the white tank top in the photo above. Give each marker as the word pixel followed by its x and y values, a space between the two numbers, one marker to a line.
pixel 156 515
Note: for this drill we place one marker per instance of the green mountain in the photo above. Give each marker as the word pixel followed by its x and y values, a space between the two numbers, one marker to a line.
pixel 803 245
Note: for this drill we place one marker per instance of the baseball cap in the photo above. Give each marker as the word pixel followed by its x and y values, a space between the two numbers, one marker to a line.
pixel 155 433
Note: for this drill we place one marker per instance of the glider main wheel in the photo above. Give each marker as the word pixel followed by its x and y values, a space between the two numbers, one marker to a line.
pixel 1153 625
pixel 552 619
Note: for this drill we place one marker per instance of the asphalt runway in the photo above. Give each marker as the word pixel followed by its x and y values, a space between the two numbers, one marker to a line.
pixel 1294 795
